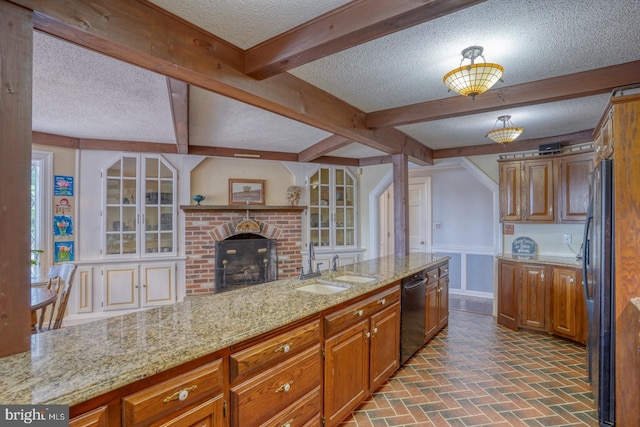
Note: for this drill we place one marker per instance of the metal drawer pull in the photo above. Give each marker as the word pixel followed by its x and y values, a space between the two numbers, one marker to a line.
pixel 180 395
pixel 284 387
pixel 284 348
pixel 287 424
pixel 359 313
pixel 375 330
pixel 571 280
pixel 382 301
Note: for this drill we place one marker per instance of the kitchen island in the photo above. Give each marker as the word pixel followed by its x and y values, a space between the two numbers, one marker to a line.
pixel 75 364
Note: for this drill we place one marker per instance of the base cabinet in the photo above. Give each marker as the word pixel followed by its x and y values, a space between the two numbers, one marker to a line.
pixel 128 286
pixel 539 297
pixel 533 298
pixel 362 349
pixel 277 381
pixel 568 304
pixel 437 301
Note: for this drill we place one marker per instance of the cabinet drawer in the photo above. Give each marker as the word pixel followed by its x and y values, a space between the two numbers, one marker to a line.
pixel 268 393
pixel 267 353
pixel 432 275
pixel 444 270
pixel 300 413
pixel 173 395
pixel 339 320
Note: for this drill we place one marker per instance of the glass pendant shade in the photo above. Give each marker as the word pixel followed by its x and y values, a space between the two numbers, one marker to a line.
pixel 473 79
pixel 506 133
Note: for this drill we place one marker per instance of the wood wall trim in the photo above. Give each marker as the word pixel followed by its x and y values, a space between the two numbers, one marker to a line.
pixel 16 53
pixel 138 33
pixel 586 83
pixel 353 24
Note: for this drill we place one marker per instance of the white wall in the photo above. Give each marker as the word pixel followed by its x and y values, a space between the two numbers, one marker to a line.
pixel 548 238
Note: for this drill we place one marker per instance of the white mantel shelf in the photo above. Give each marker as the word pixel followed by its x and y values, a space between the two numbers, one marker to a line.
pixel 242 208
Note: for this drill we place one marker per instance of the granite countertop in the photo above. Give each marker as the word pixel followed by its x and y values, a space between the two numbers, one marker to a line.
pixel 74 364
pixel 541 259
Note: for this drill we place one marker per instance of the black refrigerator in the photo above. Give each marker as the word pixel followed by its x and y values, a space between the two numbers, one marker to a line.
pixel 598 275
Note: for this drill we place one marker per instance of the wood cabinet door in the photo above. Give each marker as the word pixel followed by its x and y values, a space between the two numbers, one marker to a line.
pixel 568 308
pixel 384 348
pixel 508 285
pixel 539 191
pixel 346 372
pixel 573 197
pixel 443 302
pixel 533 297
pixel 510 191
pixel 431 306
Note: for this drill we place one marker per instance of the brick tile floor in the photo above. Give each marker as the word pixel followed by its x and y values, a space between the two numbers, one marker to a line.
pixel 476 373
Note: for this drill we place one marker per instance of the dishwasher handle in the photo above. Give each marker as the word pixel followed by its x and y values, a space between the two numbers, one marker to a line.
pixel 414 284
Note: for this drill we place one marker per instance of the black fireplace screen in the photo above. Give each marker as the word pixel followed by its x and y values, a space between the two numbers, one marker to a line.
pixel 245 259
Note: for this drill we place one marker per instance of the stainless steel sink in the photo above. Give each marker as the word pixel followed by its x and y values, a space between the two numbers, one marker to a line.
pixel 322 288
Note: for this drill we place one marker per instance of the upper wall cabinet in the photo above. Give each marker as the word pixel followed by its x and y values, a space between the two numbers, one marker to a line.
pixel 545 189
pixel 332 208
pixel 139 210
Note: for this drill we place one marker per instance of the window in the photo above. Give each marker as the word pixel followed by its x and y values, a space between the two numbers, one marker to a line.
pixel 41 165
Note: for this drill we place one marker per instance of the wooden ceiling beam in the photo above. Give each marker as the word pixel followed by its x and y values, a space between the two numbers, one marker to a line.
pixel 144 35
pixel 179 105
pixel 340 29
pixel 332 143
pixel 280 156
pixel 101 144
pixel 516 146
pixel 577 85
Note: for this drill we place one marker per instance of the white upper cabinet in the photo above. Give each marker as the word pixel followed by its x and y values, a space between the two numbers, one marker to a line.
pixel 139 207
pixel 332 212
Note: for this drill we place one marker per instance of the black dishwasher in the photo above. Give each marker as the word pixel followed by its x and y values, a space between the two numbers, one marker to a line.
pixel 413 315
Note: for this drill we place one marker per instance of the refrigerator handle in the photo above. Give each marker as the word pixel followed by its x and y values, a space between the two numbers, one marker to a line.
pixel 585 250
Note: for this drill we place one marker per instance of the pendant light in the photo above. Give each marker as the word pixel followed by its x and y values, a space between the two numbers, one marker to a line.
pixel 505 134
pixel 473 79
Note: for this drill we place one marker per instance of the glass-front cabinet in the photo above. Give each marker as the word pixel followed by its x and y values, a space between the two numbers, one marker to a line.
pixel 139 210
pixel 332 208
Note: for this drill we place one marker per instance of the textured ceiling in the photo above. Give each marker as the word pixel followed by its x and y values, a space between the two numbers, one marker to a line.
pixel 84 94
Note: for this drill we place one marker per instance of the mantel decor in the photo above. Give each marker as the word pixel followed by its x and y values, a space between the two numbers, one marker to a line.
pixel 246 191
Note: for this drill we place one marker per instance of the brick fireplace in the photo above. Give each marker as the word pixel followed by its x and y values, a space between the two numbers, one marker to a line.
pixel 207 225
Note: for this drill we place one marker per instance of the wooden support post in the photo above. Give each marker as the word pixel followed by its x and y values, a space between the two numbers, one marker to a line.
pixel 16 57
pixel 400 204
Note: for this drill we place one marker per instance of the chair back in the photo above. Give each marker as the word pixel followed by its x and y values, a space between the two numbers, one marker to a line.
pixel 60 281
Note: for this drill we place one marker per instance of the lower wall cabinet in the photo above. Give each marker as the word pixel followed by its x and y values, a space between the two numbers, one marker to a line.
pixel 362 349
pixel 540 297
pixel 311 373
pixel 138 285
pixel 277 381
pixel 437 301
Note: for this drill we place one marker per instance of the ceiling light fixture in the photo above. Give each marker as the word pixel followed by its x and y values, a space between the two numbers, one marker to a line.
pixel 505 134
pixel 473 79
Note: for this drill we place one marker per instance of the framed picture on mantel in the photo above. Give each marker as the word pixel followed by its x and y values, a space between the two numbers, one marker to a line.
pixel 246 191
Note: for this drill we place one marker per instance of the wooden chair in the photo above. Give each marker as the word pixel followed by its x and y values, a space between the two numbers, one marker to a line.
pixel 60 281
